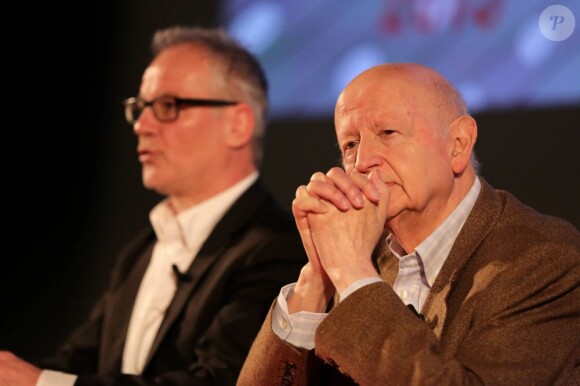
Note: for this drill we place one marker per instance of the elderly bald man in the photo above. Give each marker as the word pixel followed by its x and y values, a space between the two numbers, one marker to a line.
pixel 419 272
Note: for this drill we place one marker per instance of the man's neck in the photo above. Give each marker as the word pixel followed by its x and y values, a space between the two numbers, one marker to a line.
pixel 412 227
pixel 180 203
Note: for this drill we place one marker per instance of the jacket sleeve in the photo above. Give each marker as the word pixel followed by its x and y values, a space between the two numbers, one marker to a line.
pixel 274 362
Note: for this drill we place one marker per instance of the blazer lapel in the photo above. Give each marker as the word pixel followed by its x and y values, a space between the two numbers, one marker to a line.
pixel 386 264
pixel 121 305
pixel 235 220
pixel 203 261
pixel 483 216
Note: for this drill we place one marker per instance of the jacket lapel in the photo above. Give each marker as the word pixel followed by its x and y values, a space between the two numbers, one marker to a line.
pixel 385 262
pixel 480 222
pixel 234 221
pixel 121 303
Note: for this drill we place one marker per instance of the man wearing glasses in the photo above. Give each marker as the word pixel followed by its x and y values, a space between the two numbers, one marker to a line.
pixel 188 296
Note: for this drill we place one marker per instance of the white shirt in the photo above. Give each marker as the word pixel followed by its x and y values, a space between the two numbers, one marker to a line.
pixel 417 271
pixel 179 239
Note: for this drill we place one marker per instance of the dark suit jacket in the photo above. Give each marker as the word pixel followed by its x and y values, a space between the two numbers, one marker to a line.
pixel 504 310
pixel 214 316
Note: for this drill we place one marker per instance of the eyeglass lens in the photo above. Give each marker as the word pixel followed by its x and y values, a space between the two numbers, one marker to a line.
pixel 164 109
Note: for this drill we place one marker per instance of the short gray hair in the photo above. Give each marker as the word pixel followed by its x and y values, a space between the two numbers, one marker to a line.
pixel 240 64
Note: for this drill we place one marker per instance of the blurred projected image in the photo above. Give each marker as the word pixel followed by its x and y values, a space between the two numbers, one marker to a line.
pixel 499 53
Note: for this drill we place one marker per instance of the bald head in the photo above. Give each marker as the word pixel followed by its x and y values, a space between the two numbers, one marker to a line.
pixel 419 86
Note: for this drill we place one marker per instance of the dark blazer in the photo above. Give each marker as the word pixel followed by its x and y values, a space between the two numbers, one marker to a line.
pixel 504 310
pixel 215 313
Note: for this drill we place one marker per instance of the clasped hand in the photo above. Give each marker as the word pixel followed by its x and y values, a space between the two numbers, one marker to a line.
pixel 340 217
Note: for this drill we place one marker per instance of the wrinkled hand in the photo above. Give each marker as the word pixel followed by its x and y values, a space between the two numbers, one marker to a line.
pixel 337 215
pixel 345 235
pixel 17 372
pixel 313 289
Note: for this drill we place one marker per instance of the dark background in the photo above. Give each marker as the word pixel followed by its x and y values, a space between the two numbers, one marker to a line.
pixel 72 186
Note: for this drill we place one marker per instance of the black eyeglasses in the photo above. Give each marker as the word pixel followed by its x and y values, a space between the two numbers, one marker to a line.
pixel 166 108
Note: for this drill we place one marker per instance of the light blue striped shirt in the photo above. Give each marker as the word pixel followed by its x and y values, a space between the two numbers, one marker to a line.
pixel 417 272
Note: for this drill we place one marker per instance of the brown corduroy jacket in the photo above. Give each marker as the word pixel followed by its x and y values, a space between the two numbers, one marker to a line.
pixel 504 310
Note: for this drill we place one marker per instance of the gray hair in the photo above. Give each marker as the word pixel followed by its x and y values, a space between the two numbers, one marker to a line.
pixel 241 66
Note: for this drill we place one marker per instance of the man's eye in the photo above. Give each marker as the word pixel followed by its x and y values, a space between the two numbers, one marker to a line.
pixel 166 105
pixel 350 145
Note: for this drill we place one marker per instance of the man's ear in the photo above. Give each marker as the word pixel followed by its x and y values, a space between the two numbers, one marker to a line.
pixel 241 126
pixel 464 135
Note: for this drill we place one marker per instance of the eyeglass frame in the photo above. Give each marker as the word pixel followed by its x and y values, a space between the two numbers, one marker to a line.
pixel 129 104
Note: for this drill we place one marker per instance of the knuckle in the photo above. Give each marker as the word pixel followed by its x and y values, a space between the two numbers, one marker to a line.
pixel 335 171
pixel 300 191
pixel 318 176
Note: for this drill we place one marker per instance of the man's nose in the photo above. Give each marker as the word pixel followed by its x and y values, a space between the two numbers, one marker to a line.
pixel 368 155
pixel 146 121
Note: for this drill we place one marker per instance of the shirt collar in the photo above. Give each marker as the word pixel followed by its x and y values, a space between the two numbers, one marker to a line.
pixel 199 220
pixel 433 251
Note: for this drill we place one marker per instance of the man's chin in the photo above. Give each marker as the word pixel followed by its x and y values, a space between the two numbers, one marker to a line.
pixel 393 214
pixel 150 182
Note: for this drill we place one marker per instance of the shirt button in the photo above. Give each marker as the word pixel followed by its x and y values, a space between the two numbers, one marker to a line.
pixel 284 324
pixel 404 295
